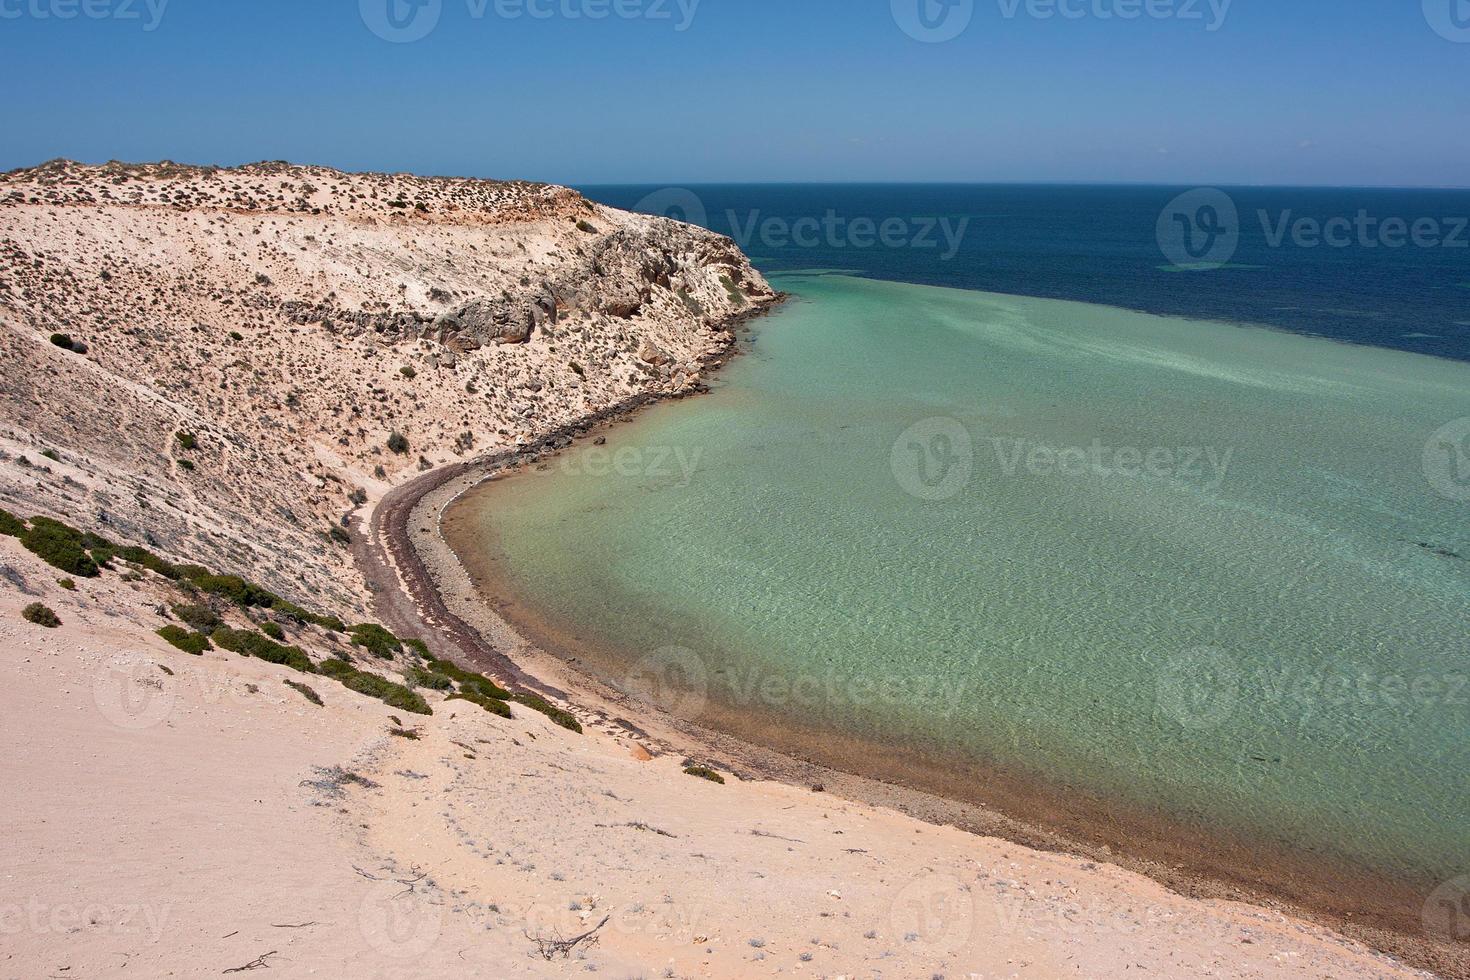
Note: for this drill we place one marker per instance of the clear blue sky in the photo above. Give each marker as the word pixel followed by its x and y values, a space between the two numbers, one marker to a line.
pixel 1283 92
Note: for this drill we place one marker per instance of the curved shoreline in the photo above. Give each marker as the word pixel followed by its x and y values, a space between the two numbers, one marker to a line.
pixel 419 579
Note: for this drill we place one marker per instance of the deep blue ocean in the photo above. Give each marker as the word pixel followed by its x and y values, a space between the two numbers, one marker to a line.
pixel 1389 268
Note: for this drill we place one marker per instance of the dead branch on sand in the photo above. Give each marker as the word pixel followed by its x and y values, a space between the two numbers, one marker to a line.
pixel 259 963
pixel 551 947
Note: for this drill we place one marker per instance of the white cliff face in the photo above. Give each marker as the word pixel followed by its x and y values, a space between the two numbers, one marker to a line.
pixel 292 318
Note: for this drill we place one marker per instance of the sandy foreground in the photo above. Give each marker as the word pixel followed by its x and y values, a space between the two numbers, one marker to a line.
pixel 177 815
pixel 193 822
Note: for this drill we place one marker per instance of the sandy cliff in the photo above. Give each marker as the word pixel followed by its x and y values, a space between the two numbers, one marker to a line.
pixel 293 319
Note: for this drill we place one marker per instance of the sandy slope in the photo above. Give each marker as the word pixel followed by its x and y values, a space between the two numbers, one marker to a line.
pixel 165 825
pixel 171 815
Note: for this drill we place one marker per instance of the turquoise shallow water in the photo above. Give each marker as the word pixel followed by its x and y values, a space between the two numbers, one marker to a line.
pixel 1205 568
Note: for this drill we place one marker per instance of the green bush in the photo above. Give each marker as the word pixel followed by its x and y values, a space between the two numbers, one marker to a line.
pixel 10 525
pixel 537 703
pixel 408 372
pixel 150 561
pixel 491 705
pixel 262 647
pixel 187 440
pixel 469 681
pixel 292 611
pixel 189 642
pixel 328 623
pixel 273 630
pixel 92 541
pixel 704 772
pixel 376 640
pixel 306 692
pixel 41 616
pixel 418 677
pixel 397 443
pixel 732 291
pixel 587 227
pixel 417 646
pixel 103 557
pixel 67 584
pixel 59 546
pixel 200 617
pixel 232 588
pixel 391 694
pixel 339 534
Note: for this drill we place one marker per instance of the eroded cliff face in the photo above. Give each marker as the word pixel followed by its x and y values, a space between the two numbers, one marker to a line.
pixel 291 322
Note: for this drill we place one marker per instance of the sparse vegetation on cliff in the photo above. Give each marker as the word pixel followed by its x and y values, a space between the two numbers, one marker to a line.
pixel 10 525
pixel 41 615
pixel 185 640
pixel 59 546
pixel 492 705
pixel 705 772
pixel 305 692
